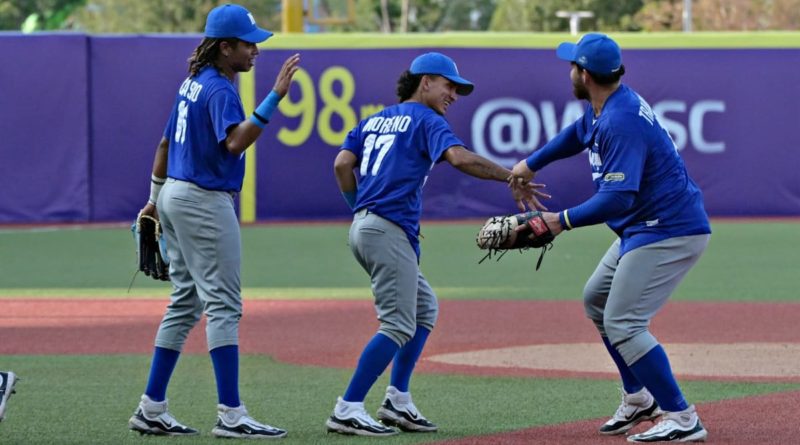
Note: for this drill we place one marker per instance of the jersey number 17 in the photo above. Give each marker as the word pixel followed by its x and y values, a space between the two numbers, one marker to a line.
pixel 374 142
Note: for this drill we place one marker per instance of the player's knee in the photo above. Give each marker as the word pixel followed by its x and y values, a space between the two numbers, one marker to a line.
pixel 398 333
pixel 187 320
pixel 593 304
pixel 616 334
pixel 222 309
pixel 399 337
pixel 619 331
pixel 428 318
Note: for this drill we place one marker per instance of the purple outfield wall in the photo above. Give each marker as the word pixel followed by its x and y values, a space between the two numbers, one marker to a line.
pixel 45 141
pixel 81 117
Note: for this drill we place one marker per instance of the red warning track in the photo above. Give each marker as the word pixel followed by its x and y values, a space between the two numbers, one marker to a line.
pixel 332 333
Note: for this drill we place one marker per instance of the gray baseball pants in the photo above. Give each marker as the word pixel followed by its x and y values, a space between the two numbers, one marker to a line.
pixel 403 297
pixel 624 294
pixel 204 248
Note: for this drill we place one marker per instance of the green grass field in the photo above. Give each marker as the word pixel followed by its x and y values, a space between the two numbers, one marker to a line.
pixel 88 399
pixel 744 261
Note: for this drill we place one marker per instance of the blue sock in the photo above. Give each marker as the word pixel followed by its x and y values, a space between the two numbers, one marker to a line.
pixel 373 361
pixel 406 358
pixel 164 361
pixel 654 372
pixel 226 371
pixel 629 381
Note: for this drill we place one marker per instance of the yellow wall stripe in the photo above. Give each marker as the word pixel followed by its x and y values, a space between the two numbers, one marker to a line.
pixel 761 39
pixel 247 198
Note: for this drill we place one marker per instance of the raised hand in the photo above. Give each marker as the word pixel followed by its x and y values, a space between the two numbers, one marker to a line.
pixel 284 79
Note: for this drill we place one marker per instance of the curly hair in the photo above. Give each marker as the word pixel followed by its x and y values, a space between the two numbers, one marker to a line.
pixel 407 85
pixel 206 53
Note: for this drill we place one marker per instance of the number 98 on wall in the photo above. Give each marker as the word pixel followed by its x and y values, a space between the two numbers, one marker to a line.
pixel 336 108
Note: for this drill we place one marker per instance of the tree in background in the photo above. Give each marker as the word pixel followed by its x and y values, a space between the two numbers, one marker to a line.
pixel 36 15
pixel 467 15
pixel 721 15
pixel 540 16
pixel 153 16
pixel 419 16
pixel 179 16
pixel 124 16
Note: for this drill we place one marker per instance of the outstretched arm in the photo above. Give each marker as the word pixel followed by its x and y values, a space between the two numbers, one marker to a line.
pixel 475 165
pixel 599 208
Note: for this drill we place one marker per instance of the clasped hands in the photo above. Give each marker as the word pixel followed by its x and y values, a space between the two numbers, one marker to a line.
pixel 523 190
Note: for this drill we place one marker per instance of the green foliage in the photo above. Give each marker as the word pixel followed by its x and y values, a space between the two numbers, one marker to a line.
pixel 88 400
pixel 153 16
pixel 467 15
pixel 124 16
pixel 423 16
pixel 540 16
pixel 721 15
pixel 37 15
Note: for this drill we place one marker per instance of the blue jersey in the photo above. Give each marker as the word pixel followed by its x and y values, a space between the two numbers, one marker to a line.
pixel 206 106
pixel 630 151
pixel 396 149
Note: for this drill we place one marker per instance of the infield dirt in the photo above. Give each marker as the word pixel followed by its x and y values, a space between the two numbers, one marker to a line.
pixel 727 341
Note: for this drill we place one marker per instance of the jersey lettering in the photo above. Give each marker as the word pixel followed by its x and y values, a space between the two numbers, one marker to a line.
pixel 595 161
pixel 383 143
pixel 386 129
pixel 645 111
pixel 394 124
pixel 190 89
pixel 180 123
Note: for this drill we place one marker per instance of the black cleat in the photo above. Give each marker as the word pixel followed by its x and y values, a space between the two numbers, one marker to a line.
pixel 352 418
pixel 398 410
pixel 634 409
pixel 153 418
pixel 682 426
pixel 236 423
pixel 7 382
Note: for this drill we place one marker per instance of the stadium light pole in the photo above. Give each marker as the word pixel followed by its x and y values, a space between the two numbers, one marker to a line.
pixel 292 13
pixel 574 19
pixel 687 15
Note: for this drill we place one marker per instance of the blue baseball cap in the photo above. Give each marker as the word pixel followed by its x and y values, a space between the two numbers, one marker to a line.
pixel 595 52
pixel 439 64
pixel 229 21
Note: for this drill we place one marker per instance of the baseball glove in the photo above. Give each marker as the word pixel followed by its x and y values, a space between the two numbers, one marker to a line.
pixel 499 235
pixel 150 247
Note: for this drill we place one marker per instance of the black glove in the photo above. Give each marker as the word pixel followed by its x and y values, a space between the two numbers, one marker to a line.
pixel 149 244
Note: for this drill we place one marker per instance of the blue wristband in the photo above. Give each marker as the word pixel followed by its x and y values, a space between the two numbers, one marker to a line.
pixel 263 112
pixel 350 198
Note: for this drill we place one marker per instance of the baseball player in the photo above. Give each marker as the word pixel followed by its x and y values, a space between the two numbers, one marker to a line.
pixel 393 152
pixel 7 382
pixel 205 140
pixel 645 195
